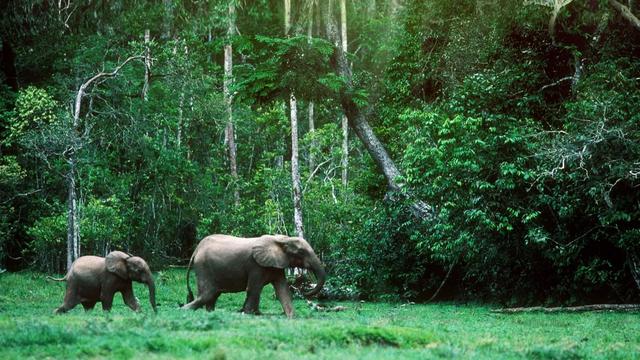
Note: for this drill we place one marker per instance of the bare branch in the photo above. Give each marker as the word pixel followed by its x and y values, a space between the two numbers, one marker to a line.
pixel 21 195
pixel 86 84
pixel 556 83
pixel 314 173
pixel 595 307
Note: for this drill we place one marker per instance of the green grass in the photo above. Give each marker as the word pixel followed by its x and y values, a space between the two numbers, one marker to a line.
pixel 28 329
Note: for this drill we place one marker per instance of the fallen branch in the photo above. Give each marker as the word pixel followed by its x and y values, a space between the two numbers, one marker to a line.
pixel 584 308
pixel 320 307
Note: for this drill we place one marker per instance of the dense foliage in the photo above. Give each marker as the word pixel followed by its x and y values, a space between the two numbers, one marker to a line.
pixel 526 142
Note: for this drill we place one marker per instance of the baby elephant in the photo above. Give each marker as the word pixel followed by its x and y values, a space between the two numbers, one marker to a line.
pixel 93 278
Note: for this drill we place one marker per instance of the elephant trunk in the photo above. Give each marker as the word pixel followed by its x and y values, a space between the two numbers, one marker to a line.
pixel 320 274
pixel 152 294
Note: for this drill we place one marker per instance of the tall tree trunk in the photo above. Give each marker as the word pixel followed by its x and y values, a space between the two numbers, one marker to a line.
pixel 167 21
pixel 181 101
pixel 359 124
pixel 287 17
pixel 345 123
pixel 372 9
pixel 228 99
pixel 73 226
pixel 295 168
pixel 312 126
pixel 147 64
pixel 73 219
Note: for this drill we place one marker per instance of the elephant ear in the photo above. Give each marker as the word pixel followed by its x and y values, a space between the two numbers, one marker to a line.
pixel 116 263
pixel 268 252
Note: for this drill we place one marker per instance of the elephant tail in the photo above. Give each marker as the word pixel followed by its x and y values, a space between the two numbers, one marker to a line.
pixel 189 292
pixel 54 279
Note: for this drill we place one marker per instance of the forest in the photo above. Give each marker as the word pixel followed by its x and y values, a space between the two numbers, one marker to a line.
pixel 468 150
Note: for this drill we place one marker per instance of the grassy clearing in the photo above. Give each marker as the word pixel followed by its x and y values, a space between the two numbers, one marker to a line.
pixel 365 330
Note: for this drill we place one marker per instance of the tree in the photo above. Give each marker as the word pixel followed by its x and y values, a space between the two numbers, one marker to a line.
pixel 295 166
pixel 310 110
pixel 556 6
pixel 626 12
pixel 228 99
pixel 357 118
pixel 76 143
pixel 344 122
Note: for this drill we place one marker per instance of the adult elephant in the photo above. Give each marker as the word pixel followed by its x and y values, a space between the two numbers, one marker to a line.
pixel 92 278
pixel 224 263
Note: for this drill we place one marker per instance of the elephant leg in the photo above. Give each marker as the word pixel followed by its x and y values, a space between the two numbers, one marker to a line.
pixel 88 305
pixel 107 301
pixel 70 301
pixel 206 297
pixel 211 304
pixel 130 299
pixel 284 295
pixel 252 302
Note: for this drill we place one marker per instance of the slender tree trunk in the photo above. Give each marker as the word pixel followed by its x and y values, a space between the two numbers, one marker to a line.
pixel 345 123
pixel 552 25
pixel 287 17
pixel 73 227
pixel 147 64
pixel 73 219
pixel 181 102
pixel 167 22
pixel 359 124
pixel 295 168
pixel 228 99
pixel 312 126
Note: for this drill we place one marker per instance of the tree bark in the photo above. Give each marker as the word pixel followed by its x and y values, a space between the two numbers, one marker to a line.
pixel 312 128
pixel 311 107
pixel 345 123
pixel 287 17
pixel 552 25
pixel 147 64
pixel 626 13
pixel 295 168
pixel 359 124
pixel 181 102
pixel 228 99
pixel 73 226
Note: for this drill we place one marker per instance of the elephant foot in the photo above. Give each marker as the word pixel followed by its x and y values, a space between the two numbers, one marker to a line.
pixel 250 312
pixel 61 310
